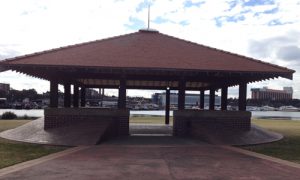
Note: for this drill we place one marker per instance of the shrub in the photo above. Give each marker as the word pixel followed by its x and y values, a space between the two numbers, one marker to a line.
pixel 9 115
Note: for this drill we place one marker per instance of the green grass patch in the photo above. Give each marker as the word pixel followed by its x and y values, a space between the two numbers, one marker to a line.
pixel 288 148
pixel 149 119
pixel 10 124
pixel 12 152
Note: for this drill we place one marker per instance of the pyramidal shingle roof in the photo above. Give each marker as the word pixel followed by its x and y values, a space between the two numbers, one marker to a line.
pixel 146 49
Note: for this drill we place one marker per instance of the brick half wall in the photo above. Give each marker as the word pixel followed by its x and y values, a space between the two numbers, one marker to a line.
pixel 59 117
pixel 188 122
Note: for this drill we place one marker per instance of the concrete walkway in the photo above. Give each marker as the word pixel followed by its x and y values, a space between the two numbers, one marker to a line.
pixel 175 160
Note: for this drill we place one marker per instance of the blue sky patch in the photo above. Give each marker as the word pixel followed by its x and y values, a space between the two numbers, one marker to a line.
pixel 160 20
pixel 258 2
pixel 277 22
pixel 223 19
pixel 219 21
pixel 235 18
pixel 233 4
pixel 135 24
pixel 189 3
pixel 271 11
pixel 184 23
pixel 142 5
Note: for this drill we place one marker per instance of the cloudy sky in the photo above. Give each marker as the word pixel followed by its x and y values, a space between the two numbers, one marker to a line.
pixel 268 30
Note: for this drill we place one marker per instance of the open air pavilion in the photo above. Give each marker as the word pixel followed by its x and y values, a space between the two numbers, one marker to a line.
pixel 145 59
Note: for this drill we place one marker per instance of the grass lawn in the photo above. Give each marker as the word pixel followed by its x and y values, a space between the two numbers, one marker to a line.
pixel 149 119
pixel 12 152
pixel 288 148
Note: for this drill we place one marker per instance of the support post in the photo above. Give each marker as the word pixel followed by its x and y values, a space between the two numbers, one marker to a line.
pixel 67 95
pixel 181 94
pixel 201 105
pixel 53 94
pixel 224 95
pixel 242 96
pixel 212 99
pixel 82 97
pixel 122 94
pixel 75 96
pixel 167 117
pixel 101 92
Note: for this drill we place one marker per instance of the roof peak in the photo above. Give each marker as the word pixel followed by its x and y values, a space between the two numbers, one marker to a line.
pixel 149 30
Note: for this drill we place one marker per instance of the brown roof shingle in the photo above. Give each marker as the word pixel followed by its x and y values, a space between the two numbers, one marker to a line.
pixel 146 49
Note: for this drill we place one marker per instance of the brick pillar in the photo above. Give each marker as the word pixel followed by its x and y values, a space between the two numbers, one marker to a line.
pixel 82 97
pixel 101 92
pixel 202 92
pixel 53 94
pixel 122 94
pixel 167 116
pixel 181 95
pixel 242 96
pixel 67 95
pixel 224 98
pixel 212 99
pixel 75 96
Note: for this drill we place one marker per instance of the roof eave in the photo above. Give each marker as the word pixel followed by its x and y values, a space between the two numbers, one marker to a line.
pixel 288 75
pixel 3 68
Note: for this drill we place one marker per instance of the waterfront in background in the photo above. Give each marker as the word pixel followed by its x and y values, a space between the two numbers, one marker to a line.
pixel 255 114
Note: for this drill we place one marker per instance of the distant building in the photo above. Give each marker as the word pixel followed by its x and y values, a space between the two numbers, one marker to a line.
pixel 4 87
pixel 190 99
pixel 272 94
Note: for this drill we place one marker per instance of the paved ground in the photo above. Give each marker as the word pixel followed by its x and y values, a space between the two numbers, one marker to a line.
pixel 177 159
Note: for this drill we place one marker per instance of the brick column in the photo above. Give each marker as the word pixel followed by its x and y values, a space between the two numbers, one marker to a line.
pixel 53 94
pixel 122 94
pixel 167 109
pixel 75 96
pixel 224 98
pixel 101 92
pixel 82 97
pixel 181 94
pixel 202 94
pixel 242 96
pixel 212 99
pixel 67 95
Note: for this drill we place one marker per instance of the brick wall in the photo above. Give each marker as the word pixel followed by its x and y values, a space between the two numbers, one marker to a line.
pixel 188 122
pixel 58 117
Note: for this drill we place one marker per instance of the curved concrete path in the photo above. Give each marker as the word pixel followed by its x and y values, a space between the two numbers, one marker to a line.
pixel 179 159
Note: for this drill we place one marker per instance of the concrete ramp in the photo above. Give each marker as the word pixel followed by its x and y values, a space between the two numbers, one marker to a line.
pixel 255 135
pixel 81 133
pixel 92 132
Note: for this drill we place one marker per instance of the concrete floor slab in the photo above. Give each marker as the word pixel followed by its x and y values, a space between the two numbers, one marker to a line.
pixel 181 161
pixel 148 129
